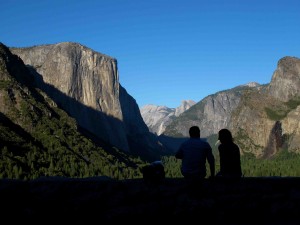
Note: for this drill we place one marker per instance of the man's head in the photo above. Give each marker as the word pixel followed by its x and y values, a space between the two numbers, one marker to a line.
pixel 194 132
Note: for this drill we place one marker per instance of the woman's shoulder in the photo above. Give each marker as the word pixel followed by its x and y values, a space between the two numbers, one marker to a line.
pixel 235 145
pixel 228 145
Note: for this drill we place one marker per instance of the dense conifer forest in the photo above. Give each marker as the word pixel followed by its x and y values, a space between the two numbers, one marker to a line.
pixel 283 164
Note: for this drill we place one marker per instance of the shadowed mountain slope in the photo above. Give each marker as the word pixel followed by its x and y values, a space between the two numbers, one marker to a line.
pixel 37 138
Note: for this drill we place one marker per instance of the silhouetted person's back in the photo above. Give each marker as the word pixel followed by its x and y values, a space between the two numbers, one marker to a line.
pixel 194 153
pixel 230 163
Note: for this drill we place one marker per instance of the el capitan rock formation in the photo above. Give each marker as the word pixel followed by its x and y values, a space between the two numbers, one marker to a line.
pixel 85 84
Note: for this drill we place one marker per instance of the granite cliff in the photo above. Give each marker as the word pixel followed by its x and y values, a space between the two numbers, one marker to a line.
pixel 37 138
pixel 86 85
pixel 267 121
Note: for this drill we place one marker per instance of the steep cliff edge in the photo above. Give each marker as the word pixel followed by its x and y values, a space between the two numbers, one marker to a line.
pixel 85 84
pixel 267 121
pixel 37 138
pixel 285 83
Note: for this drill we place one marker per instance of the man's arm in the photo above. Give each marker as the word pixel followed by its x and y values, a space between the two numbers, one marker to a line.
pixel 179 154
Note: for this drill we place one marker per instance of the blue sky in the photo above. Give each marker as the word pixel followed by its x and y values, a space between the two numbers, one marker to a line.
pixel 167 51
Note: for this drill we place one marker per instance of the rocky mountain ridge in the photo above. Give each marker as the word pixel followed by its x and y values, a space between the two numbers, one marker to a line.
pixel 158 117
pixel 267 121
pixel 264 119
pixel 211 114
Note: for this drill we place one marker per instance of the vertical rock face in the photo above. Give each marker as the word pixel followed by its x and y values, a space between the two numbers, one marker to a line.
pixel 270 118
pixel 217 111
pixel 138 135
pixel 251 126
pixel 85 83
pixel 285 81
pixel 291 129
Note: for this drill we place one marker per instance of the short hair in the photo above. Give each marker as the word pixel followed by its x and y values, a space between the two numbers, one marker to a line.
pixel 194 132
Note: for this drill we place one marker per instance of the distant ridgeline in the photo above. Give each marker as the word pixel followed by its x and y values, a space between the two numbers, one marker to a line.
pixel 64 113
pixel 264 119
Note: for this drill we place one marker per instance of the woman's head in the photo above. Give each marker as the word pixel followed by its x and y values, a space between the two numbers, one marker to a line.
pixel 225 136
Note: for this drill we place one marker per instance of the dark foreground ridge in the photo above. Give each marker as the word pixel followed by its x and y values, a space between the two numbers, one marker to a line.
pixel 105 201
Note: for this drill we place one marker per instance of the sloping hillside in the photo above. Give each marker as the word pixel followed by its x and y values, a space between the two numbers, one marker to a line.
pixel 37 138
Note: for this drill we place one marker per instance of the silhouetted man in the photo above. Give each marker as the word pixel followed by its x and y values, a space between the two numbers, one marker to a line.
pixel 194 153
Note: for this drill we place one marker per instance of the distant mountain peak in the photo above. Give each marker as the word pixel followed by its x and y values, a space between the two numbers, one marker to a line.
pixel 251 84
pixel 158 117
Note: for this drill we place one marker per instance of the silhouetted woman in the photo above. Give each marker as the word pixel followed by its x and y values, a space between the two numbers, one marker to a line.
pixel 229 152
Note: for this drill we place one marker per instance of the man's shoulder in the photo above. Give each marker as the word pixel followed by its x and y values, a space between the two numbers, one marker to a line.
pixel 185 142
pixel 207 144
pixel 196 140
pixel 203 142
